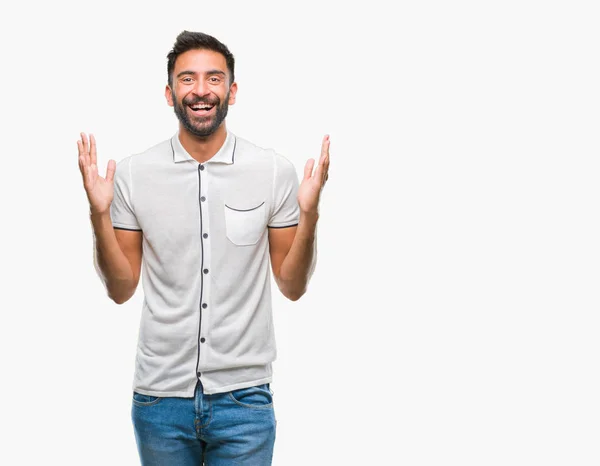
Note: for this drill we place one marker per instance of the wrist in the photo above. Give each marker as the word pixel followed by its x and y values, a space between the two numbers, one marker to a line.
pixel 311 216
pixel 100 218
pixel 307 225
pixel 99 213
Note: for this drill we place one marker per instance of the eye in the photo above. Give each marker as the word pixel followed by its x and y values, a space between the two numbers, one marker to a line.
pixel 214 79
pixel 187 80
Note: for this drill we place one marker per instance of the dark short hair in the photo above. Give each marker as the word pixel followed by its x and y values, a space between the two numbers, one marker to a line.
pixel 188 40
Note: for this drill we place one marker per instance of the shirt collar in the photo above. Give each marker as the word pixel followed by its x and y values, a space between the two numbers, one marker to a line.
pixel 226 154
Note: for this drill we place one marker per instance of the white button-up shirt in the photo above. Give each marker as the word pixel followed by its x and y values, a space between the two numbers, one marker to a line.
pixel 205 271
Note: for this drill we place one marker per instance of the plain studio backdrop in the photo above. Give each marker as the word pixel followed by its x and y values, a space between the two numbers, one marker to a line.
pixel 453 317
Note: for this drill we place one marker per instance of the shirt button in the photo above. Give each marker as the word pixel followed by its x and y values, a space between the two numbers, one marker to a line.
pixel 201 167
pixel 205 270
pixel 202 340
pixel 203 199
pixel 205 235
pixel 204 305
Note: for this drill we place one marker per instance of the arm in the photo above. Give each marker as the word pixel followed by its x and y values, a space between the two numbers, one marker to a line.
pixel 117 257
pixel 293 250
pixel 294 256
pixel 117 253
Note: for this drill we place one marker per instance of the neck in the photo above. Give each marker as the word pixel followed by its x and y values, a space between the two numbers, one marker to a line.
pixel 203 148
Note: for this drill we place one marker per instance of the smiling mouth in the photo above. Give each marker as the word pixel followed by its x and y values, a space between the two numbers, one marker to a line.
pixel 201 109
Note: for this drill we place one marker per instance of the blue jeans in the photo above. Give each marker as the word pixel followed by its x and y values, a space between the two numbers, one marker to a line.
pixel 231 428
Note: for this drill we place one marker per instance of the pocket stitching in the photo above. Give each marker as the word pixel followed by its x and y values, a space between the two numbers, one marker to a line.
pixel 244 210
pixel 233 235
pixel 265 406
pixel 146 403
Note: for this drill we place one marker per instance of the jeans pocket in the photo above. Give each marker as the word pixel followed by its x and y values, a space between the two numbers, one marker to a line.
pixel 258 397
pixel 145 400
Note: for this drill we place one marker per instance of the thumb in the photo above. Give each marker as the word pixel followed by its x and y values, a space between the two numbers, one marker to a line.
pixel 308 168
pixel 110 170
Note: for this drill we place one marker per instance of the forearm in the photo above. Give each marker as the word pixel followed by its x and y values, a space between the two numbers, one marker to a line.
pixel 110 262
pixel 300 262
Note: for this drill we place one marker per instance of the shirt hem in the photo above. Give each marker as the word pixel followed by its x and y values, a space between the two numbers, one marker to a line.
pixel 122 226
pixel 238 386
pixel 178 394
pixel 210 391
pixel 283 226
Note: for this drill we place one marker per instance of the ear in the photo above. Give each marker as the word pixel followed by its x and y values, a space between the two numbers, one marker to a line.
pixel 232 92
pixel 169 95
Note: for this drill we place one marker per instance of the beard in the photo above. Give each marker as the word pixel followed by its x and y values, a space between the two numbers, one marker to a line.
pixel 201 127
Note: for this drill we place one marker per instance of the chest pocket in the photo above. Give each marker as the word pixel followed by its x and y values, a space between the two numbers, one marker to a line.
pixel 245 225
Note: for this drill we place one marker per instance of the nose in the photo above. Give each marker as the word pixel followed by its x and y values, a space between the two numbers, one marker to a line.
pixel 201 88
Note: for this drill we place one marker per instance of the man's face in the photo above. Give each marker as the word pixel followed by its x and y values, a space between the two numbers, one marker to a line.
pixel 200 93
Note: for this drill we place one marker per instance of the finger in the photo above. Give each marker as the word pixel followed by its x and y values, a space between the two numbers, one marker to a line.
pixel 81 166
pixel 323 158
pixel 80 151
pixel 87 175
pixel 320 168
pixel 326 162
pixel 91 172
pixel 84 140
pixel 324 144
pixel 93 149
pixel 110 170
pixel 83 163
pixel 326 168
pixel 80 148
pixel 308 168
pixel 324 149
pixel 85 148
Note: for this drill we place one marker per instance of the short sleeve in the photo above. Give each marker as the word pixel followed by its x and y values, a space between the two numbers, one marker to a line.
pixel 286 212
pixel 121 209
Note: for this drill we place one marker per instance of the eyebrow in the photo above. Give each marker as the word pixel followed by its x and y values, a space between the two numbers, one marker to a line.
pixel 193 73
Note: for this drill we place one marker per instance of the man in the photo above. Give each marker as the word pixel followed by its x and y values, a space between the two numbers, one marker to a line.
pixel 208 211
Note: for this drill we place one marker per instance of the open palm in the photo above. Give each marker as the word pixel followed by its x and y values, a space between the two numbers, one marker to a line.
pixel 309 191
pixel 99 190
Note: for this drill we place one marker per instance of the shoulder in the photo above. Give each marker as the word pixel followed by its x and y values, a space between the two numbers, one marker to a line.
pixel 250 152
pixel 161 151
pixel 132 163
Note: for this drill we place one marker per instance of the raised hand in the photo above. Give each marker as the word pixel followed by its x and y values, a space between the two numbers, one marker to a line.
pixel 309 191
pixel 99 190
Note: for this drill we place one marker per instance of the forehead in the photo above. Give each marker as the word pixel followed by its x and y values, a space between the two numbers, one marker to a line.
pixel 200 61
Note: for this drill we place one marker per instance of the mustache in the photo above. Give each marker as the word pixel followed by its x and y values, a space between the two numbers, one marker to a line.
pixel 196 100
